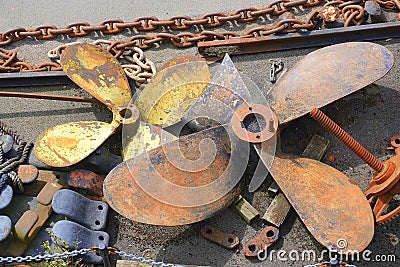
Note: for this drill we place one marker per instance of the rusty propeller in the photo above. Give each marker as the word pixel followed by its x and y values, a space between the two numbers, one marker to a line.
pixel 192 178
pixel 158 192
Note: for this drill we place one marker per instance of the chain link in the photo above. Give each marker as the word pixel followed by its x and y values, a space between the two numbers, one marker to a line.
pixel 63 255
pixel 352 13
pixel 151 262
pixel 84 251
pixel 9 63
pixel 140 68
pixel 147 24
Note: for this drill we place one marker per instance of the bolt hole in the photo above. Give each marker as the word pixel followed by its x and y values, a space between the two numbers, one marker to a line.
pixel 250 108
pixel 97 222
pixel 101 238
pixel 254 123
pixel 126 113
pixel 397 141
pixel 258 137
pixel 161 119
pixel 100 207
pixel 58 176
pixel 209 231
pixel 252 247
pixel 270 233
pixel 230 240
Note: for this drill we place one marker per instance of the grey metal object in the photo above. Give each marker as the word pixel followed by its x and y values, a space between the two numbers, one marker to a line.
pixel 5 227
pixel 89 213
pixel 74 233
pixel 375 12
pixel 6 195
pixel 277 210
pixel 6 143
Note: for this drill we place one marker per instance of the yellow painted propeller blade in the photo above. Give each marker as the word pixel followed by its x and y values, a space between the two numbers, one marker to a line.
pixel 98 72
pixel 143 137
pixel 66 144
pixel 172 91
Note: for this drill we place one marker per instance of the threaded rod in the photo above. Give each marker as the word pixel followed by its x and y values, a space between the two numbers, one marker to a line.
pixel 346 139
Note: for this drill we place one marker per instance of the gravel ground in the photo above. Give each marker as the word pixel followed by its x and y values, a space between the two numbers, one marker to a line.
pixel 368 115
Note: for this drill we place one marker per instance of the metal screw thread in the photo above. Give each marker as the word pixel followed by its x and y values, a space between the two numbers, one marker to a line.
pixel 346 139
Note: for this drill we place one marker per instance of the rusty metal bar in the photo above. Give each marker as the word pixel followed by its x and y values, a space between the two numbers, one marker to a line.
pixel 48 97
pixel 21 79
pixel 237 46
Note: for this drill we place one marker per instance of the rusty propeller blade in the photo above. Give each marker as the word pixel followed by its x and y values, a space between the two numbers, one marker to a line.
pixel 327 75
pixel 332 207
pixel 181 182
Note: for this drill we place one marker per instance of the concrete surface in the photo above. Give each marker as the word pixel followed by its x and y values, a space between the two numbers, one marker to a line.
pixel 369 115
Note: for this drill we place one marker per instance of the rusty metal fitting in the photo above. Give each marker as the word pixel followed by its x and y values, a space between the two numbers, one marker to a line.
pixel 346 139
pixel 382 189
pixel 259 243
pixel 264 114
pixel 386 179
pixel 382 176
pixel 223 239
pixel 330 13
pixel 128 115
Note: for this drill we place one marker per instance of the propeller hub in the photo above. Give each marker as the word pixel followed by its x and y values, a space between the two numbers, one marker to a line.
pixel 265 118
pixel 127 115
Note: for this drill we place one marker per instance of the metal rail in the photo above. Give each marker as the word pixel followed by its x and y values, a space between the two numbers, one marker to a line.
pixel 238 46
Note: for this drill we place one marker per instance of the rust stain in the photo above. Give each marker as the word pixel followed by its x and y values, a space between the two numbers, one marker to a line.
pixel 345 68
pixel 331 206
pixel 134 188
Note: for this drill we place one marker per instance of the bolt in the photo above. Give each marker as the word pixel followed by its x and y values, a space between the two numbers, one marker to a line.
pixel 271 126
pixel 347 140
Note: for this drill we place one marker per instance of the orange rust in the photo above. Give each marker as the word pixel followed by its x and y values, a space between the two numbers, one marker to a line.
pixel 27 173
pixel 330 13
pixel 179 60
pixel 299 90
pixel 128 187
pixel 223 239
pixel 258 244
pixel 382 188
pixel 258 137
pixel 331 206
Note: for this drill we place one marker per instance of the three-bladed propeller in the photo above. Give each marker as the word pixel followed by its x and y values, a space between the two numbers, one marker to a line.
pixel 98 73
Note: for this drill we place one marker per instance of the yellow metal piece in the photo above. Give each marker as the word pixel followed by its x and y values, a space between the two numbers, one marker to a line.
pixel 172 91
pixel 97 72
pixel 143 137
pixel 66 144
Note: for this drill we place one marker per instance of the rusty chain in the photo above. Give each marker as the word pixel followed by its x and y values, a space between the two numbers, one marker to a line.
pixel 352 12
pixel 139 67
